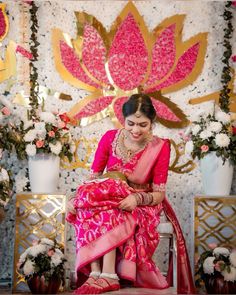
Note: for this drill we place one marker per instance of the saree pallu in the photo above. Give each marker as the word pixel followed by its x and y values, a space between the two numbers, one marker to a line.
pixel 101 227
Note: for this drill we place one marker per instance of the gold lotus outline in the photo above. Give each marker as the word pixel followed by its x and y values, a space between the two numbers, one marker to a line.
pixel 179 152
pixel 3 8
pixel 8 65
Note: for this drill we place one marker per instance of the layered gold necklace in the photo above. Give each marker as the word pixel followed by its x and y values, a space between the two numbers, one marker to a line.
pixel 124 147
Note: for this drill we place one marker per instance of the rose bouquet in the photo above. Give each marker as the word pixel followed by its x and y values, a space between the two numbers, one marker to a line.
pixel 45 259
pixel 48 133
pixel 217 263
pixel 212 133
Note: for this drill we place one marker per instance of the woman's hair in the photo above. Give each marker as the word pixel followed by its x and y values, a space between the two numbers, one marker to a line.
pixel 141 103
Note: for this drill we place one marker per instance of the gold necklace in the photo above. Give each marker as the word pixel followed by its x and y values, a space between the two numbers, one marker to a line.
pixel 127 153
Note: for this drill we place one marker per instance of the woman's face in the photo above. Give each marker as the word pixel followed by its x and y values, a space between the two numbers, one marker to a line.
pixel 138 126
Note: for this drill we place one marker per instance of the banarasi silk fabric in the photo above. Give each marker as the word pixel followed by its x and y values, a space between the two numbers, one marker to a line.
pixel 101 226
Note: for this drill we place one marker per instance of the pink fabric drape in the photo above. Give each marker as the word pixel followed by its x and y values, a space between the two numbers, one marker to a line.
pixel 101 226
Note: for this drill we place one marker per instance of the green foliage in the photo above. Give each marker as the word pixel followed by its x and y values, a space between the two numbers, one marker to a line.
pixel 33 71
pixel 226 75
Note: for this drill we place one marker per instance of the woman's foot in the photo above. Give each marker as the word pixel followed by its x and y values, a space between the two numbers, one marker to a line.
pixel 84 288
pixel 104 285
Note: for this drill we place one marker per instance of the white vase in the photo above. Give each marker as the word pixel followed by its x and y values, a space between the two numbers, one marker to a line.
pixel 216 177
pixel 44 173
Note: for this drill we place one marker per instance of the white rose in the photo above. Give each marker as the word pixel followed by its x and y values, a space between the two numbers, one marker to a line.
pixel 208 265
pixel 30 150
pixel 221 251
pixel 222 140
pixel 229 276
pixel 39 126
pixel 28 268
pixel 222 117
pixel 55 148
pixel 215 126
pixel 37 249
pixel 4 175
pixel 205 134
pixel 195 129
pixel 30 135
pixel 232 258
pixel 48 117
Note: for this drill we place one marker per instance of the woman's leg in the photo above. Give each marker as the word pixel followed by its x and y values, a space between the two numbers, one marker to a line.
pixel 95 266
pixel 109 260
pixel 108 280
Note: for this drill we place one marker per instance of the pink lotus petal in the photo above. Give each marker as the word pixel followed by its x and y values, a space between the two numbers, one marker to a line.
pixel 164 112
pixel 163 55
pixel 94 53
pixel 128 56
pixel 183 68
pixel 118 108
pixel 94 107
pixel 3 25
pixel 24 52
pixel 72 64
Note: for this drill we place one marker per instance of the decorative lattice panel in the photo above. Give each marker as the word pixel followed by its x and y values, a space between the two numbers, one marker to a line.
pixel 214 222
pixel 37 216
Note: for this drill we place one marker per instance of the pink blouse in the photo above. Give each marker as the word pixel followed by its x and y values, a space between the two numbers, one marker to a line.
pixel 106 157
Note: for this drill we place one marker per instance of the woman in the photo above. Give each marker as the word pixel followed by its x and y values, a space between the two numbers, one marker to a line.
pixel 117 213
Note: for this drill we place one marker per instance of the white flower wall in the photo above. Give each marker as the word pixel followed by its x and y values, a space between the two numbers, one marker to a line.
pixel 201 16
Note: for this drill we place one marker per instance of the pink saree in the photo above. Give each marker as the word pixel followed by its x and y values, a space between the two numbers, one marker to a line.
pixel 101 226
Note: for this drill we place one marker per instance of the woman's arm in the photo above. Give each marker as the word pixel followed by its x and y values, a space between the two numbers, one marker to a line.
pixel 160 173
pixel 102 154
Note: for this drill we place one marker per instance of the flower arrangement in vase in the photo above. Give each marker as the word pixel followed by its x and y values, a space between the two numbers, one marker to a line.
pixel 47 133
pixel 43 266
pixel 216 268
pixel 212 133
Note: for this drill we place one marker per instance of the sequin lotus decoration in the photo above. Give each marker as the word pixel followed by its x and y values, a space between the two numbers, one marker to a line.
pixel 126 60
pixel 4 24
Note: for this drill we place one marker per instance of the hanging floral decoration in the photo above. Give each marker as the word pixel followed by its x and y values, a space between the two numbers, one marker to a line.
pixel 226 75
pixel 34 86
pixel 226 97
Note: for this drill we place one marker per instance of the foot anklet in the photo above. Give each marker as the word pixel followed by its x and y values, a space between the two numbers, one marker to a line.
pixel 94 274
pixel 113 276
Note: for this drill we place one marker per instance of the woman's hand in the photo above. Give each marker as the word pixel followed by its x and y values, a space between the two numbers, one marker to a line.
pixel 129 203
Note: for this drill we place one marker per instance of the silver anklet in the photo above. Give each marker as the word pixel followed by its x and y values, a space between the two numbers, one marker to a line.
pixel 113 276
pixel 94 274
